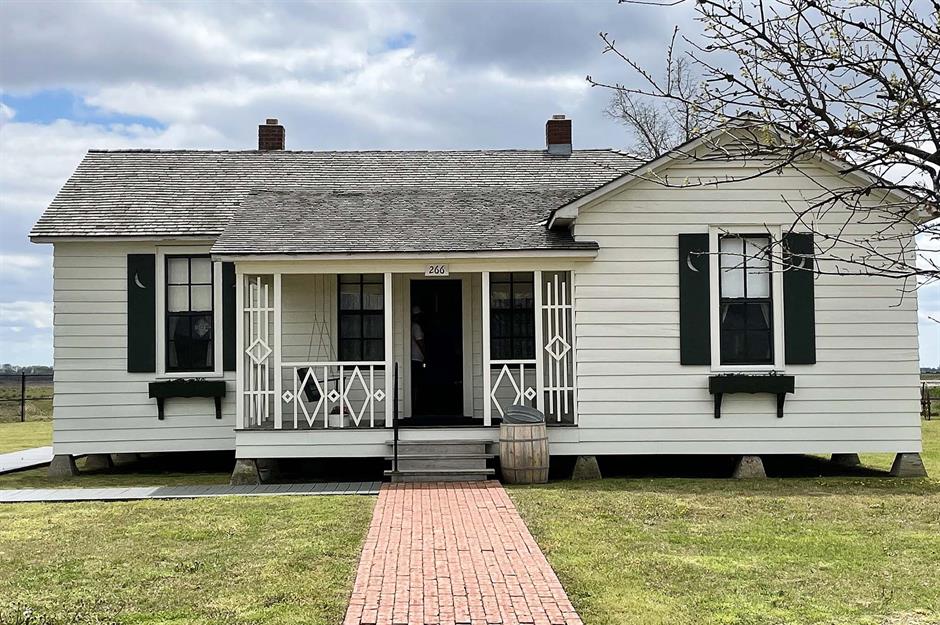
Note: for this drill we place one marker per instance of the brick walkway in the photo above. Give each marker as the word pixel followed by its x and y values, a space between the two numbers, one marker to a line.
pixel 451 554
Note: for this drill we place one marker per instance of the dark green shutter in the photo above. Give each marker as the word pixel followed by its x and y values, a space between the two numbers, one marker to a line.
pixel 694 327
pixel 228 316
pixel 141 313
pixel 799 305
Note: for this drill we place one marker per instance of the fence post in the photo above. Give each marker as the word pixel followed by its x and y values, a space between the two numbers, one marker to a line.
pixel 22 396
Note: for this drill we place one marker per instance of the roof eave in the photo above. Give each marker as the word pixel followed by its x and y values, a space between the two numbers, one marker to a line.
pixel 574 253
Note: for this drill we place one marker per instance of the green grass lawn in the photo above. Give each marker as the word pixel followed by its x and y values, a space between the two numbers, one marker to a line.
pixel 699 551
pixel 231 560
pixel 15 436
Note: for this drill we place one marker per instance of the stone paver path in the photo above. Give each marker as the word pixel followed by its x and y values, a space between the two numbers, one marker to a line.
pixel 453 553
pixel 121 493
pixel 25 459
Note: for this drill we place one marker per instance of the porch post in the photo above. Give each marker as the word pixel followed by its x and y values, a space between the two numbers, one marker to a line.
pixel 278 357
pixel 239 348
pixel 539 361
pixel 390 394
pixel 487 378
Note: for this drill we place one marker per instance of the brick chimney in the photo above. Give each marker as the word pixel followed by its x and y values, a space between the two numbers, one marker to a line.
pixel 270 135
pixel 558 135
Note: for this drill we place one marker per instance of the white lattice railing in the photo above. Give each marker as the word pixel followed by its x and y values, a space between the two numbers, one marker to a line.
pixel 258 314
pixel 337 394
pixel 557 315
pixel 511 387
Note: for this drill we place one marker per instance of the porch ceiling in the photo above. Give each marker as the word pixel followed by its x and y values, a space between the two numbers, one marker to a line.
pixel 398 220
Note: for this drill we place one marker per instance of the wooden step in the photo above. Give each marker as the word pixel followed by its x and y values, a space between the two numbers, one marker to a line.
pixel 465 462
pixel 440 475
pixel 440 448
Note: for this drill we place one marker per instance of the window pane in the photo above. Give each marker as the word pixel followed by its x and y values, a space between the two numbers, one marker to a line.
pixel 189 346
pixel 349 297
pixel 350 350
pixel 759 347
pixel 501 349
pixel 523 322
pixel 758 266
pixel 523 295
pixel 732 347
pixel 177 298
pixel 372 295
pixel 201 271
pixel 500 296
pixel 523 348
pixel 373 326
pixel 500 277
pixel 758 316
pixel 758 282
pixel 373 278
pixel 732 266
pixel 500 323
pixel 349 278
pixel 202 298
pixel 350 327
pixel 177 270
pixel 202 327
pixel 733 316
pixel 374 350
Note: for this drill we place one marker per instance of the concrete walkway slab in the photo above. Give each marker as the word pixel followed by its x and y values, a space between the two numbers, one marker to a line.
pixel 453 553
pixel 126 493
pixel 25 459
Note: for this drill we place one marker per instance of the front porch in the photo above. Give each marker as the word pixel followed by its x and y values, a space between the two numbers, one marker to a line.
pixel 333 354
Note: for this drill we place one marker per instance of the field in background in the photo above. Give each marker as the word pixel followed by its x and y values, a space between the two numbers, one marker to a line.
pixel 38 397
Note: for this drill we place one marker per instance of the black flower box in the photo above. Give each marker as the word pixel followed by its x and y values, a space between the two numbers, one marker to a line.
pixel 772 383
pixel 188 388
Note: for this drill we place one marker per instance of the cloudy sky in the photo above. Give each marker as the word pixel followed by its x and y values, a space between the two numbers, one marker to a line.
pixel 339 75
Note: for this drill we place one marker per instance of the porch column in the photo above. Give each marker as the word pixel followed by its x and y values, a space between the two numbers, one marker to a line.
pixel 390 391
pixel 539 352
pixel 487 378
pixel 239 348
pixel 278 357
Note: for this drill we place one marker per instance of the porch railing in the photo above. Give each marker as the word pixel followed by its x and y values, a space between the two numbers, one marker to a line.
pixel 334 394
pixel 513 385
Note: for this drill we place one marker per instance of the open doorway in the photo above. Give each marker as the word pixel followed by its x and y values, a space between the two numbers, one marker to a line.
pixel 436 349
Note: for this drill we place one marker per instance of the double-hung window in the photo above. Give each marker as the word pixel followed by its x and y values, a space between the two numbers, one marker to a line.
pixel 190 332
pixel 361 317
pixel 512 316
pixel 746 314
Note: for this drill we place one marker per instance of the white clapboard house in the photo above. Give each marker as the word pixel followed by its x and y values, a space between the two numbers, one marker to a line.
pixel 262 301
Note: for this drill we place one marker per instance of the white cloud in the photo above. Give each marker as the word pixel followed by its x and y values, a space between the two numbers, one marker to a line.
pixel 19 266
pixel 6 113
pixel 26 314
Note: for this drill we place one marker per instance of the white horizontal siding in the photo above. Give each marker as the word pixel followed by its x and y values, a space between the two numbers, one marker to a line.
pixel 635 397
pixel 98 406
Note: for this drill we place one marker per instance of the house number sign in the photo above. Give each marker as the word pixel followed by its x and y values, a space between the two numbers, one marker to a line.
pixel 437 270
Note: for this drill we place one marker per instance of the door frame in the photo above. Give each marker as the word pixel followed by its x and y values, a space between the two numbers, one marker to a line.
pixel 466 331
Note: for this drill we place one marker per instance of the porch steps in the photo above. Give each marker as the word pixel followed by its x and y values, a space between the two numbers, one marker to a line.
pixel 440 461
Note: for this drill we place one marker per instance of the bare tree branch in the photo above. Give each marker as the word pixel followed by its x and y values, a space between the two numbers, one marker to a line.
pixel 854 82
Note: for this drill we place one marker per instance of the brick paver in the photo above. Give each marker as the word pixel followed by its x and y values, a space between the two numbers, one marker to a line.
pixel 453 553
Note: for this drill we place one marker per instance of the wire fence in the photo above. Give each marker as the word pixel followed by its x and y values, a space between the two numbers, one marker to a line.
pixel 25 396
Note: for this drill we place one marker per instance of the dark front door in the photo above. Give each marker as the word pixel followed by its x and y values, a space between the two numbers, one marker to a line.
pixel 436 348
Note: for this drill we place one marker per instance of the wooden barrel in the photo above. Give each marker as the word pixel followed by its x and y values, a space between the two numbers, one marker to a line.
pixel 523 453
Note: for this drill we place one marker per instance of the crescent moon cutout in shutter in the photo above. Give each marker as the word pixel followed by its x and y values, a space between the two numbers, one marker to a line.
pixel 137 281
pixel 688 261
